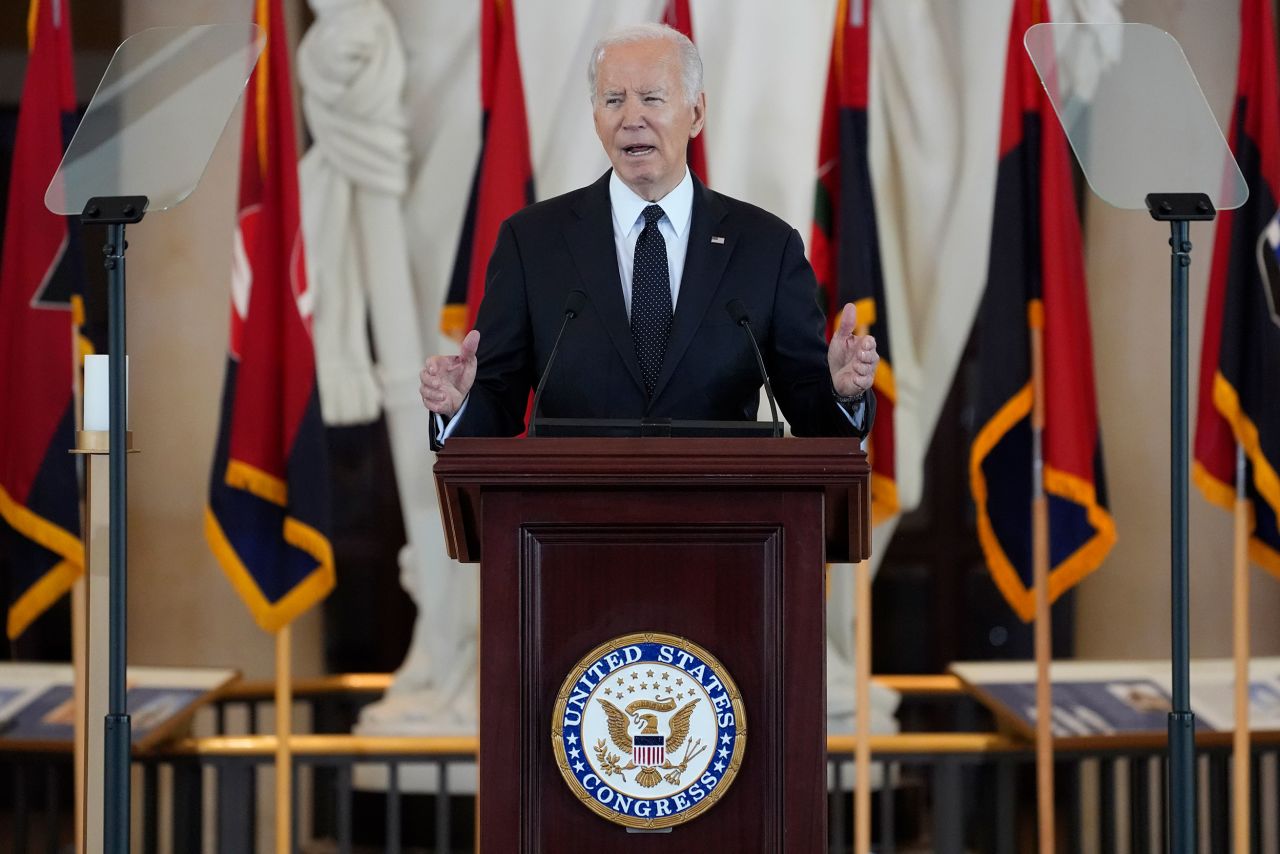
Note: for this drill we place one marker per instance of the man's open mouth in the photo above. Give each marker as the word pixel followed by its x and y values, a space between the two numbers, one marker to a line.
pixel 637 150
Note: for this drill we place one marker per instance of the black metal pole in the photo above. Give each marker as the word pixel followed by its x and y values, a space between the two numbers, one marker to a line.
pixel 1180 210
pixel 1182 722
pixel 116 780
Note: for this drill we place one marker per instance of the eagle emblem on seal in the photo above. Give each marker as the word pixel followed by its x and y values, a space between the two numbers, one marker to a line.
pixel 635 732
pixel 648 730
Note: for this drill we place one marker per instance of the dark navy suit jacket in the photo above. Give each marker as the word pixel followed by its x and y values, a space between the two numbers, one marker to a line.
pixel 709 372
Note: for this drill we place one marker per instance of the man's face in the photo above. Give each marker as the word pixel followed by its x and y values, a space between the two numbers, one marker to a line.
pixel 642 117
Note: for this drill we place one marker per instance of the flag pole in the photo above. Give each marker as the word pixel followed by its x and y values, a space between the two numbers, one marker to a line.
pixel 1040 574
pixel 862 707
pixel 80 690
pixel 1040 584
pixel 1240 794
pixel 284 732
pixel 862 696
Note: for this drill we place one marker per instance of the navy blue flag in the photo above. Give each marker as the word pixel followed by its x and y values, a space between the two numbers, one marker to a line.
pixel 268 515
pixel 1240 359
pixel 1036 282
pixel 41 287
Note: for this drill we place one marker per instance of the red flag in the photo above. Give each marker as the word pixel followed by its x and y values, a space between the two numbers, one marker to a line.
pixel 677 16
pixel 503 181
pixel 845 248
pixel 268 516
pixel 41 279
pixel 1036 278
pixel 1240 359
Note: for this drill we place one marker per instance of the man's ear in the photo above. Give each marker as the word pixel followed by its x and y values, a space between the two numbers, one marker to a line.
pixel 699 115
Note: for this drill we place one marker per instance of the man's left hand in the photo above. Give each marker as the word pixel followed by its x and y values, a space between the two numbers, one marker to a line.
pixel 852 358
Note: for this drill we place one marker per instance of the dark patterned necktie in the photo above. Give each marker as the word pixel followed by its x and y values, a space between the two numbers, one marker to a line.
pixel 650 299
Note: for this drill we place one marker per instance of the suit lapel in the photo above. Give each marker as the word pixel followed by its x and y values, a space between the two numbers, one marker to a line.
pixel 704 264
pixel 590 239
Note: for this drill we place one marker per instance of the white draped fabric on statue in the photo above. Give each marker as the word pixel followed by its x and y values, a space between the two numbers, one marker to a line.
pixel 354 179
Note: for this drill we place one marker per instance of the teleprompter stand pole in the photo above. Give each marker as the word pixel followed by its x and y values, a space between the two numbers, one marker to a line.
pixel 115 213
pixel 1179 210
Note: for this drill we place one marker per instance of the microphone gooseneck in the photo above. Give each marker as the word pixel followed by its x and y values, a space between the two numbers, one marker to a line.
pixel 738 312
pixel 573 306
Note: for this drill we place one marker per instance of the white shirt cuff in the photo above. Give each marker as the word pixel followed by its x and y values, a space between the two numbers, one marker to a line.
pixel 858 417
pixel 445 431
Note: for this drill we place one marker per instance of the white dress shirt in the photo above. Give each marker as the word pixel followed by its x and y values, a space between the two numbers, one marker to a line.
pixel 628 222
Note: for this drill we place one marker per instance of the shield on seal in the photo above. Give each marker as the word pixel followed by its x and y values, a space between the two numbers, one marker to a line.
pixel 648 751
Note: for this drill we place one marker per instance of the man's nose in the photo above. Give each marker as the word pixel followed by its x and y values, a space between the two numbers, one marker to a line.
pixel 633 115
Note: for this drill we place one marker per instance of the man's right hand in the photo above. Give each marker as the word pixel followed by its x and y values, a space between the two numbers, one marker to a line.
pixel 446 380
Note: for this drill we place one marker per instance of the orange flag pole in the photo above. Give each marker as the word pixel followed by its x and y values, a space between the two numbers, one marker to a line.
pixel 862 701
pixel 1040 569
pixel 284 734
pixel 862 697
pixel 1240 762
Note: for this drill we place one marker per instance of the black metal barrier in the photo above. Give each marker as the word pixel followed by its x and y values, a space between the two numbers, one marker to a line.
pixel 213 794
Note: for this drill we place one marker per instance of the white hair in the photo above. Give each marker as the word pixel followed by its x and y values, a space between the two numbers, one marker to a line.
pixel 690 61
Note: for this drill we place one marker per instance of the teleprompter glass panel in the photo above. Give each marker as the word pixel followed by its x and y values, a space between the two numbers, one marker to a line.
pixel 1134 113
pixel 158 112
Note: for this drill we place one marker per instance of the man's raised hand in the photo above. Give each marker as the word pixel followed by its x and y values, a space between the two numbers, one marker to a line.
pixel 446 380
pixel 852 358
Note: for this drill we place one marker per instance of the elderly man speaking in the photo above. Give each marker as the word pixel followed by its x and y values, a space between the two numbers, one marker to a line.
pixel 669 269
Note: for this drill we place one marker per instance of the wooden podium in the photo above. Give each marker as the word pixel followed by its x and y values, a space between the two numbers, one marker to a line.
pixel 720 541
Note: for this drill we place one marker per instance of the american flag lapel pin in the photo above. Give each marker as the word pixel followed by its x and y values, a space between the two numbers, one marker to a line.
pixel 717 239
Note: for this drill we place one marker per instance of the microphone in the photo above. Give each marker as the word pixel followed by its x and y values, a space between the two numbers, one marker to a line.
pixel 738 312
pixel 573 306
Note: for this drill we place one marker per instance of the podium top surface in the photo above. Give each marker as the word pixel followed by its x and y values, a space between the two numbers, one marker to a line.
pixel 836 467
pixel 653 459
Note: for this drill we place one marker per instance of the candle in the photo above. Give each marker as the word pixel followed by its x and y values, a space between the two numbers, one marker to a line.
pixel 97 392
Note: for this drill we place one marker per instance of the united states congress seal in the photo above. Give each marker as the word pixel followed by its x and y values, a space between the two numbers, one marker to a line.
pixel 649 730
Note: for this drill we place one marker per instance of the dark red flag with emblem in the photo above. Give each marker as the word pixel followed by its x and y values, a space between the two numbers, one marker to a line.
pixel 677 16
pixel 268 515
pixel 503 180
pixel 1036 278
pixel 1240 357
pixel 41 283
pixel 845 248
